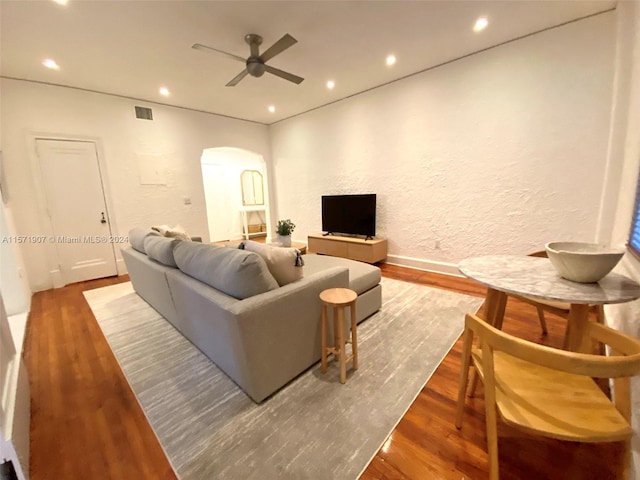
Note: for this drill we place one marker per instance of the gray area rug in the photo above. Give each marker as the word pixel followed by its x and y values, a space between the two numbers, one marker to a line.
pixel 315 427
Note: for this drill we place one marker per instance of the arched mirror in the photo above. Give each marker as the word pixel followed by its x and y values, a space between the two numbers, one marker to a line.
pixel 252 191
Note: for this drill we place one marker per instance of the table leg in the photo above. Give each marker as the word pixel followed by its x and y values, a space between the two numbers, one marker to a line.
pixel 494 306
pixel 578 318
pixel 489 305
pixel 245 224
pixel 501 305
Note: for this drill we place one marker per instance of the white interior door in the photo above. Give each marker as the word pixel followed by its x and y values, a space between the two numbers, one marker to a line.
pixel 216 193
pixel 77 208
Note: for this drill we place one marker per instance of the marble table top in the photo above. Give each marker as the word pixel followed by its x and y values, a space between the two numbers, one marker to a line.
pixel 535 277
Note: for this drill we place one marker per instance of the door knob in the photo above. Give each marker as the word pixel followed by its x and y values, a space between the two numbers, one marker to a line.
pixel 103 220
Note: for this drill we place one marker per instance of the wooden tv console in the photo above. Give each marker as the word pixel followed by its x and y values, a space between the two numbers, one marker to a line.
pixel 369 251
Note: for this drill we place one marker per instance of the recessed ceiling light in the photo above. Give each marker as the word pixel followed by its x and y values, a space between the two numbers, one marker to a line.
pixel 391 59
pixel 331 84
pixel 271 108
pixel 164 91
pixel 481 24
pixel 61 2
pixel 50 63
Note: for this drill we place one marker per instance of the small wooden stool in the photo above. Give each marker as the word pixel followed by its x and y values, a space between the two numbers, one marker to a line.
pixel 339 299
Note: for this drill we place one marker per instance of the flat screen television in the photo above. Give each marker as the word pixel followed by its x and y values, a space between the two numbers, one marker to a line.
pixel 350 214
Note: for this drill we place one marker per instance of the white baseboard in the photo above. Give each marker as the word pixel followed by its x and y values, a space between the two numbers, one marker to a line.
pixel 121 268
pixel 424 264
pixel 56 278
pixel 58 281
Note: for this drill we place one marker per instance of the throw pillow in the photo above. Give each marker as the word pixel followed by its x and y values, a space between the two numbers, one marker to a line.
pixel 172 232
pixel 234 272
pixel 180 235
pixel 285 264
pixel 160 249
pixel 137 236
pixel 161 229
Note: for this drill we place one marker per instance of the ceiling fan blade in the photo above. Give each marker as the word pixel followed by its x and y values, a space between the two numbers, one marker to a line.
pixel 204 48
pixel 280 46
pixel 286 75
pixel 237 78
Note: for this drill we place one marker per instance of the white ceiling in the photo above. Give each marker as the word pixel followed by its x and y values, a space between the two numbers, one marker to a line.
pixel 132 48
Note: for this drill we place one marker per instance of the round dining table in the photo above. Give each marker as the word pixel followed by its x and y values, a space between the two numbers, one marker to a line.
pixel 536 278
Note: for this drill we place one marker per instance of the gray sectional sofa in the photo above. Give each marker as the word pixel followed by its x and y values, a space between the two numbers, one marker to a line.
pixel 226 302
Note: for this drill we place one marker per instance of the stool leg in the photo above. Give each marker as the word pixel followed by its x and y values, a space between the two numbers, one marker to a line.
pixel 323 352
pixel 343 359
pixel 336 339
pixel 354 336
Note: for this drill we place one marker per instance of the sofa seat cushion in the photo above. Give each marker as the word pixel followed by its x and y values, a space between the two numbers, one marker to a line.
pixel 237 273
pixel 284 263
pixel 160 249
pixel 362 276
pixel 137 236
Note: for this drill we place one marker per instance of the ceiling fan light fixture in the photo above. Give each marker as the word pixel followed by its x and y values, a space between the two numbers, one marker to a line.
pixel 255 68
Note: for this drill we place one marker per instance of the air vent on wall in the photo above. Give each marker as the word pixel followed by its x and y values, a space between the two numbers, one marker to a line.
pixel 144 113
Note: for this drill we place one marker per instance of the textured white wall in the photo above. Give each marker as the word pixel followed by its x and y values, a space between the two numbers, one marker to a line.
pixel 180 135
pixel 625 167
pixel 15 294
pixel 499 152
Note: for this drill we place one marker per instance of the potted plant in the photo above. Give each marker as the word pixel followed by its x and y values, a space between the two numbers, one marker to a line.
pixel 284 228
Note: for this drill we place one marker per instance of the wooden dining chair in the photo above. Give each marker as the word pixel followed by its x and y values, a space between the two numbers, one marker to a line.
pixel 558 308
pixel 551 392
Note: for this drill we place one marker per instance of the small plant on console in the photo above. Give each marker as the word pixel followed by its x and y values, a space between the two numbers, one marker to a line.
pixel 285 227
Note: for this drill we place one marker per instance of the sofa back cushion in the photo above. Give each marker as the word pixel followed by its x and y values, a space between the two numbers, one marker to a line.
pixel 137 236
pixel 237 273
pixel 284 264
pixel 160 249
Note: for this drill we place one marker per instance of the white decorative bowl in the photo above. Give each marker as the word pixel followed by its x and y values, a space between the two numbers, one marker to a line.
pixel 583 262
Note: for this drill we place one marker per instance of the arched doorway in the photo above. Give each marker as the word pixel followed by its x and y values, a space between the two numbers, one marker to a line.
pixel 227 211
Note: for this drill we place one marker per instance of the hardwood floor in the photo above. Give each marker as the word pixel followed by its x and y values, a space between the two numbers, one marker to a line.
pixel 427 445
pixel 85 420
pixel 86 423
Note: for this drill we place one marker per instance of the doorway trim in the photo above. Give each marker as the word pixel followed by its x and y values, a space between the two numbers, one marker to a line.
pixel 266 172
pixel 51 253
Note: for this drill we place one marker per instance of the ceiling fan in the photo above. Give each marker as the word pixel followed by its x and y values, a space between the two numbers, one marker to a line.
pixel 256 63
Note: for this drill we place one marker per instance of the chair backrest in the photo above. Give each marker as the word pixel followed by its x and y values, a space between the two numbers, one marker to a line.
pixel 625 362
